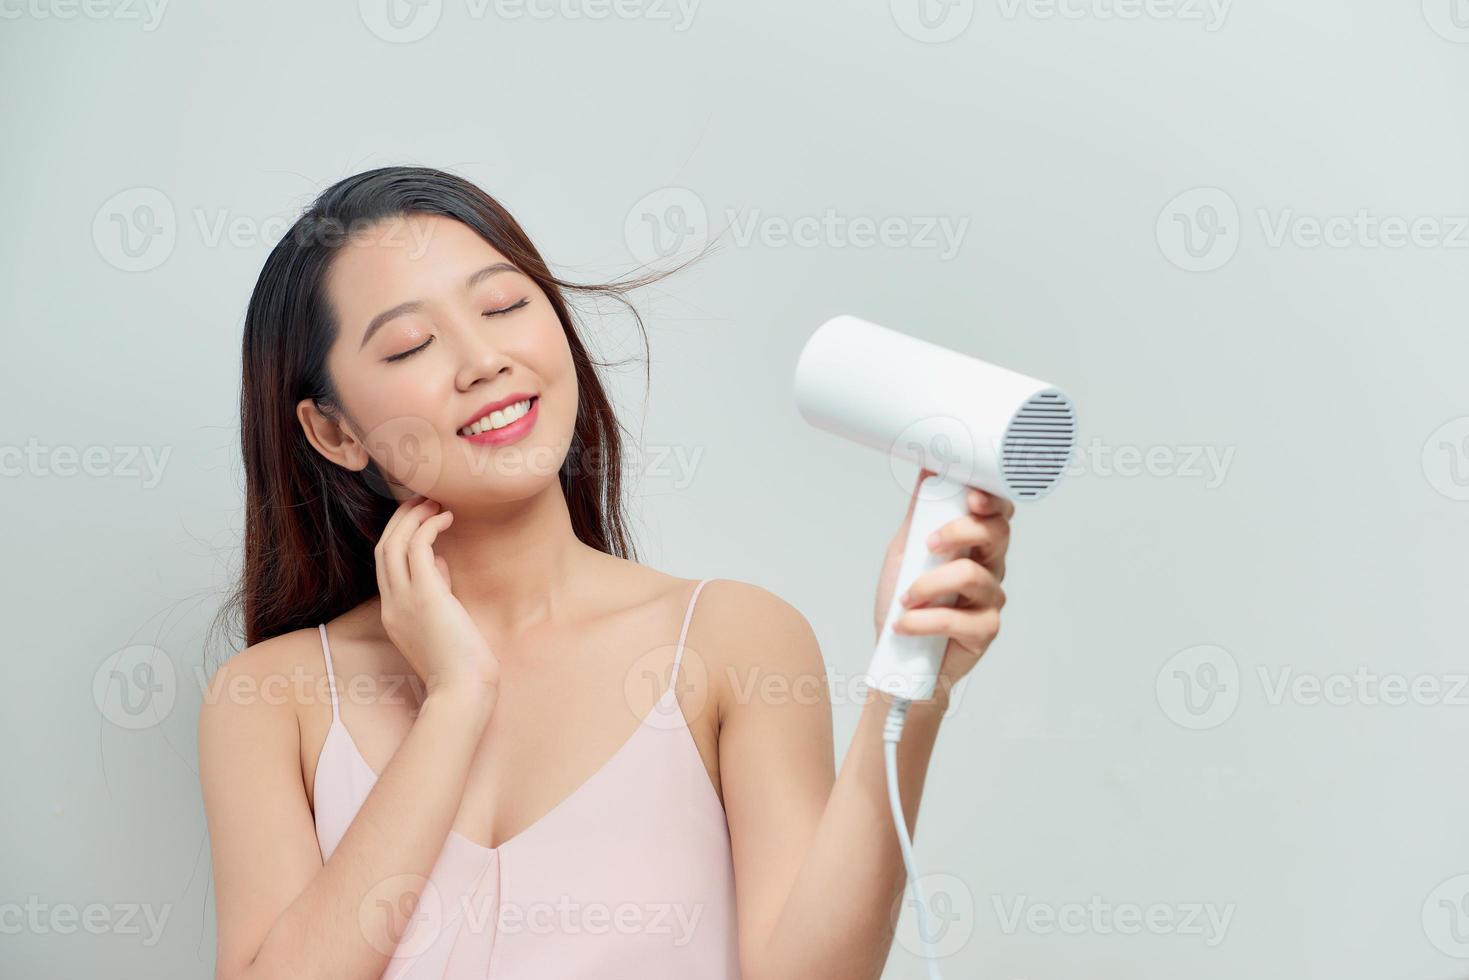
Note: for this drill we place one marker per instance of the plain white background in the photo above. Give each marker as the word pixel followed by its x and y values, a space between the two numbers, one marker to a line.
pixel 1221 734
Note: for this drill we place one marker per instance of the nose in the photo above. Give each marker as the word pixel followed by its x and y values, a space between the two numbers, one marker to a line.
pixel 480 358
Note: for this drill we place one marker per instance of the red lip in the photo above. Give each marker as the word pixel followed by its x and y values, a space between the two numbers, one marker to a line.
pixel 495 406
pixel 513 432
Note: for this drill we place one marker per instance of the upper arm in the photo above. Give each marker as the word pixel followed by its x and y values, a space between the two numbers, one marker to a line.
pixel 261 834
pixel 776 753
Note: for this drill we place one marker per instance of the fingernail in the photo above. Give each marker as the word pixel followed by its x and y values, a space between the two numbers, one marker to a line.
pixel 906 598
pixel 933 540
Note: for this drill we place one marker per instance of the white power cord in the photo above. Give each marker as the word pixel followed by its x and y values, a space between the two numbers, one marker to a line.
pixel 892 732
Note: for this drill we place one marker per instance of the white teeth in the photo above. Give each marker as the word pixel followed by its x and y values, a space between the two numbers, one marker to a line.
pixel 497 419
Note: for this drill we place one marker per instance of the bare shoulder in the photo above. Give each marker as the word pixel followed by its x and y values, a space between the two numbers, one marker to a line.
pixel 263 684
pixel 737 629
pixel 734 606
pixel 751 632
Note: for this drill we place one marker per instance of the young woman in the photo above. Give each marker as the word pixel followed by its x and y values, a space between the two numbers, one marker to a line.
pixel 440 753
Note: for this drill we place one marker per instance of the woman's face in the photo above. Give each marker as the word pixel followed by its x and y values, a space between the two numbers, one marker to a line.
pixel 434 327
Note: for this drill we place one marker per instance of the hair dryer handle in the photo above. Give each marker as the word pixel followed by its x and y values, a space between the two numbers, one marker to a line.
pixel 907 666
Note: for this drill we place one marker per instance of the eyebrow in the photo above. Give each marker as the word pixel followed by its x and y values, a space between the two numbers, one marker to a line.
pixel 413 305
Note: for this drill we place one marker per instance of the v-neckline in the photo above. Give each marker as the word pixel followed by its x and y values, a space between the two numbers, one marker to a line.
pixel 558 806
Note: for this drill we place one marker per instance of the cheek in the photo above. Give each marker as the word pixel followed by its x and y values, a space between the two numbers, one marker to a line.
pixel 550 355
pixel 393 417
pixel 553 343
pixel 552 361
pixel 394 395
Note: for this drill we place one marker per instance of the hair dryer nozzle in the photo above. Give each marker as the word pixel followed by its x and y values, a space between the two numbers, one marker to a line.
pixel 971 422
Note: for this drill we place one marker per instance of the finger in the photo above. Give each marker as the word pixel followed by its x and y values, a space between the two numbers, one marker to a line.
pixel 962 577
pixel 973 629
pixel 395 544
pixel 404 506
pixel 380 568
pixel 421 570
pixel 380 549
pixel 988 536
pixel 986 504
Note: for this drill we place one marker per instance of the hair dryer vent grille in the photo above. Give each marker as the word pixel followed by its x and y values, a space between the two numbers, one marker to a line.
pixel 1038 444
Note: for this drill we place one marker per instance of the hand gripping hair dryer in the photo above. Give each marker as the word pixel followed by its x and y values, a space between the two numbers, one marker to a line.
pixel 972 423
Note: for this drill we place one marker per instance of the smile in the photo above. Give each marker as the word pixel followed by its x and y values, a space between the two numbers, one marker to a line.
pixel 504 424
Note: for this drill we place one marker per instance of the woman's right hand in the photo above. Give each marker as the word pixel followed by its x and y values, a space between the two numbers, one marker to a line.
pixel 426 622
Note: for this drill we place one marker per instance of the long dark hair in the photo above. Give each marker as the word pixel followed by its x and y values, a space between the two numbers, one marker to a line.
pixel 311 525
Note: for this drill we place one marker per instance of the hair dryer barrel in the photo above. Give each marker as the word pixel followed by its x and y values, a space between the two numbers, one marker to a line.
pixel 967 420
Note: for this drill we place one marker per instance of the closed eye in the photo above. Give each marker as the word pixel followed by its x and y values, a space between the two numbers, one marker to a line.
pixel 513 306
pixel 487 313
pixel 410 353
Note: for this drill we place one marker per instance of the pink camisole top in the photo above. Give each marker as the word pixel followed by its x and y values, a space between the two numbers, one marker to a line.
pixel 628 877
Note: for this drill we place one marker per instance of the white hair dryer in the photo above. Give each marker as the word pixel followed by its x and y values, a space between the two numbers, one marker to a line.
pixel 972 423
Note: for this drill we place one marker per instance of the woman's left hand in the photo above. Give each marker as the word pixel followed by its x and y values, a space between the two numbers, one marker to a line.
pixel 978 542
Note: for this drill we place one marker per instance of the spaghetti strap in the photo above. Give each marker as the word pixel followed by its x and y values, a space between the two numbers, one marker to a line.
pixel 652 806
pixel 684 632
pixel 331 679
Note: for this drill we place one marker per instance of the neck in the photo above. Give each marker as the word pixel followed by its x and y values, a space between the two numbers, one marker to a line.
pixel 516 564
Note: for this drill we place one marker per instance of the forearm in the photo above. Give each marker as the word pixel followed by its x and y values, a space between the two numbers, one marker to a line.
pixel 839 916
pixel 345 923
